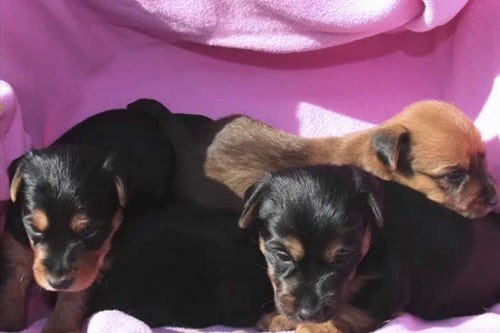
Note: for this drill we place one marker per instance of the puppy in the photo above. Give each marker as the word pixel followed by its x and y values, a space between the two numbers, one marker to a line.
pixel 68 201
pixel 182 266
pixel 430 146
pixel 340 263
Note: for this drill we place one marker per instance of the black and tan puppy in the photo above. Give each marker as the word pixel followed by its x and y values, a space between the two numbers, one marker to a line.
pixel 430 146
pixel 339 263
pixel 67 202
pixel 182 266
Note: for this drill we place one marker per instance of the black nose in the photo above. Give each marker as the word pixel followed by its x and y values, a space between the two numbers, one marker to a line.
pixel 61 283
pixel 309 314
pixel 490 194
pixel 492 199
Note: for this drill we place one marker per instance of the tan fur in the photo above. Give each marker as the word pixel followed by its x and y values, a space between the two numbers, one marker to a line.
pixel 275 322
pixel 216 163
pixel 90 263
pixel 68 314
pixel 348 320
pixel 15 286
pixel 15 184
pixel 78 223
pixel 294 247
pixel 40 220
pixel 120 190
pixel 332 249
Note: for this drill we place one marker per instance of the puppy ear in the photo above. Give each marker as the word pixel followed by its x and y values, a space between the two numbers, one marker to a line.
pixel 15 181
pixel 371 187
pixel 388 143
pixel 146 104
pixel 15 172
pixel 253 196
pixel 111 165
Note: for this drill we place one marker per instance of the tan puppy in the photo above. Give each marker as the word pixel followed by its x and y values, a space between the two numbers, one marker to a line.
pixel 431 146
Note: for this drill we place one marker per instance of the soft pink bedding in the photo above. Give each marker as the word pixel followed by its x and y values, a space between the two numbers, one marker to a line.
pixel 309 67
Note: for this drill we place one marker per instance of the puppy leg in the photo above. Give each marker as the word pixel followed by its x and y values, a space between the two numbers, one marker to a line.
pixel 68 314
pixel 16 280
pixel 349 320
pixel 274 322
pixel 328 327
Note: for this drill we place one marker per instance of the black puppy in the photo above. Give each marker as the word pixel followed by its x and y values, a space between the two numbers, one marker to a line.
pixel 185 267
pixel 69 199
pixel 337 264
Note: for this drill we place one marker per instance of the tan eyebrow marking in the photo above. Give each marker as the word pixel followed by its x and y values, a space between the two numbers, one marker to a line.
pixel 39 220
pixel 294 247
pixel 331 250
pixel 78 222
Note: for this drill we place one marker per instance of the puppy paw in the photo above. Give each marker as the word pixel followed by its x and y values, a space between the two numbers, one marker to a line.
pixel 327 327
pixel 274 322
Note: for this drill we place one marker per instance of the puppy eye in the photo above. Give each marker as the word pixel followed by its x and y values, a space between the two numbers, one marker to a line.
pixel 33 230
pixel 88 231
pixel 283 256
pixel 456 176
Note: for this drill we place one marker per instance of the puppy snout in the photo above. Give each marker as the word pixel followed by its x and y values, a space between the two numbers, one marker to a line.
pixel 491 196
pixel 490 192
pixel 310 309
pixel 60 283
pixel 310 314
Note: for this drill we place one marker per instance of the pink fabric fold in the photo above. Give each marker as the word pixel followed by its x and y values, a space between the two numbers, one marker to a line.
pixel 275 26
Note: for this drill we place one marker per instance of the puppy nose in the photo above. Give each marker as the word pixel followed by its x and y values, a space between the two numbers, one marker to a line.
pixel 309 314
pixel 60 283
pixel 492 199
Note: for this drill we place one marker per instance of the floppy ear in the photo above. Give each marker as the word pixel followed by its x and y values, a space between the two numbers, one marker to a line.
pixel 388 143
pixel 253 196
pixel 111 165
pixel 16 179
pixel 371 187
pixel 146 104
pixel 15 171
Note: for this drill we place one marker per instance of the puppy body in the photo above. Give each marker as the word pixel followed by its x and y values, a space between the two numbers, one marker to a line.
pixel 135 134
pixel 357 268
pixel 182 266
pixel 431 147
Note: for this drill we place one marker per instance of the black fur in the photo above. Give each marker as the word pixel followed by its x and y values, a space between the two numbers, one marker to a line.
pixel 137 135
pixel 186 267
pixel 421 248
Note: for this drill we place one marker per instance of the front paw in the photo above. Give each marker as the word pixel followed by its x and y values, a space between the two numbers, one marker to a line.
pixel 274 322
pixel 327 327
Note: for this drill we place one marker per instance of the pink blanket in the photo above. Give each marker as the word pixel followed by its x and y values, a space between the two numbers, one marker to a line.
pixel 309 67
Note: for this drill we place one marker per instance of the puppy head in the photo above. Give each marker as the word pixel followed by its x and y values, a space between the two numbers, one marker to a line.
pixel 71 200
pixel 434 148
pixel 315 226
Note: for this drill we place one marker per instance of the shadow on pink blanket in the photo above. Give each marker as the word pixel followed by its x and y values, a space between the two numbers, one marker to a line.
pixel 116 321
